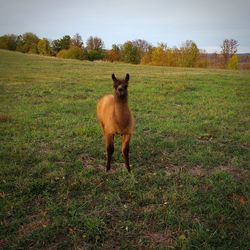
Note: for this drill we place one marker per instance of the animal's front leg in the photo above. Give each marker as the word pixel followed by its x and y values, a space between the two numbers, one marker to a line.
pixel 125 149
pixel 109 140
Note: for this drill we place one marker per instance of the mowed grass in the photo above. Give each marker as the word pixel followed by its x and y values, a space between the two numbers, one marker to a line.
pixel 189 187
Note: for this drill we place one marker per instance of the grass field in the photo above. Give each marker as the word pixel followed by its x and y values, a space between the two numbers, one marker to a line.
pixel 189 187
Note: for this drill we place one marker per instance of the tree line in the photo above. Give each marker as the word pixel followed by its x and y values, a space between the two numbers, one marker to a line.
pixel 136 52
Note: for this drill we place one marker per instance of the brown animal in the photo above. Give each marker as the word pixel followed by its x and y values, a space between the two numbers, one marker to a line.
pixel 115 118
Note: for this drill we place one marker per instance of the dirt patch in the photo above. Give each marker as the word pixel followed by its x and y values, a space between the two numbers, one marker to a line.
pixel 100 166
pixel 155 240
pixel 35 222
pixel 198 171
pixel 91 163
pixel 148 208
pixel 44 148
pixel 238 173
pixel 165 238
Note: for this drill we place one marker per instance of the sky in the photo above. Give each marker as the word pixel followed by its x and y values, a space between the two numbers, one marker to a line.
pixel 207 23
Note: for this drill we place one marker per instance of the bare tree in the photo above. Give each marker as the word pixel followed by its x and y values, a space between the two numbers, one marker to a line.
pixel 229 48
pixel 142 45
pixel 76 41
pixel 95 43
pixel 163 46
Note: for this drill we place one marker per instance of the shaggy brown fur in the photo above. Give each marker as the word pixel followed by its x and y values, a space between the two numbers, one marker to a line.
pixel 115 118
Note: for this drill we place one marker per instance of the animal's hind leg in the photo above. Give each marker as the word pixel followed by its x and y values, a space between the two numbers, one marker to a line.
pixel 125 150
pixel 109 140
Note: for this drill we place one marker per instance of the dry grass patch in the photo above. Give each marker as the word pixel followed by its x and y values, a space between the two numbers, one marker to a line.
pixel 5 118
pixel 35 222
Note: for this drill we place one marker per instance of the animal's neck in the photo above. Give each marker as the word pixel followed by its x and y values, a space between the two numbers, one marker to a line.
pixel 121 110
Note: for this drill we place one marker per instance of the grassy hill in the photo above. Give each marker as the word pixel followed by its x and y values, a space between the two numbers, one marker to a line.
pixel 189 187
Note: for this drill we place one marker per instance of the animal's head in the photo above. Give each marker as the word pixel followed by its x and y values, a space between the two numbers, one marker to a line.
pixel 121 86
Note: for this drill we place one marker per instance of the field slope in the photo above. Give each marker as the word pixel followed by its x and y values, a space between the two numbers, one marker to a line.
pixel 189 187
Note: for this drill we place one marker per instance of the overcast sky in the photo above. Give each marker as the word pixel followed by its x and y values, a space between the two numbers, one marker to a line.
pixel 207 23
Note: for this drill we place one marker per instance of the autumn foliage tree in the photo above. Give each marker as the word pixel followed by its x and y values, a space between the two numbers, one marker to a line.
pixel 114 54
pixel 72 53
pixel 43 47
pixel 158 55
pixel 162 55
pixel 27 43
pixel 147 58
pixel 8 42
pixel 60 44
pixel 233 62
pixel 188 54
pixel 130 53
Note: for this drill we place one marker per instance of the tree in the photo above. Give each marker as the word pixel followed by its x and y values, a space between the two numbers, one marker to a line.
pixel 8 42
pixel 27 43
pixel 228 49
pixel 162 55
pixel 65 42
pixel 130 53
pixel 56 46
pixel 202 60
pixel 43 47
pixel 95 43
pixel 158 56
pixel 114 54
pixel 95 48
pixel 72 53
pixel 76 41
pixel 147 58
pixel 142 46
pixel 59 44
pixel 233 62
pixel 188 54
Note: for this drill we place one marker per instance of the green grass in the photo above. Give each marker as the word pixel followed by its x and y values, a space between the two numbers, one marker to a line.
pixel 189 187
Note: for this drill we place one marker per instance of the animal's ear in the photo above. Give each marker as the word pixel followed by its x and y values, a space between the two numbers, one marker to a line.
pixel 127 78
pixel 114 78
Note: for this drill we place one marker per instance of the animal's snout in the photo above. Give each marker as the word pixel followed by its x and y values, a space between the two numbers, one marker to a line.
pixel 121 90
